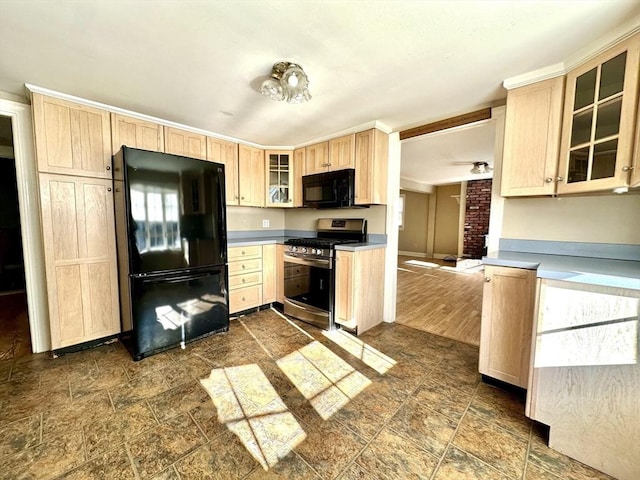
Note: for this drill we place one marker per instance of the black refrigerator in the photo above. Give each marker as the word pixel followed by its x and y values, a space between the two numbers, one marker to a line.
pixel 173 245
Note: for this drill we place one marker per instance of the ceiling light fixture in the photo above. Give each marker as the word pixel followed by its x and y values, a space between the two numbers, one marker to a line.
pixel 286 82
pixel 481 167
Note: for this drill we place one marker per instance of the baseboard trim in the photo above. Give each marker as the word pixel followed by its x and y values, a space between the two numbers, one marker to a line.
pixel 412 254
pixel 440 256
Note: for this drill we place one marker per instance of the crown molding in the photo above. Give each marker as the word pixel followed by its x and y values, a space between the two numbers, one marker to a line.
pixel 611 39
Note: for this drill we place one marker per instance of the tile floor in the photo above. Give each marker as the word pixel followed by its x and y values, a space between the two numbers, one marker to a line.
pixel 280 400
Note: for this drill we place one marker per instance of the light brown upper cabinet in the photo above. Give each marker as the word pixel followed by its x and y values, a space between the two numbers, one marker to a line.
pixel 80 258
pixel 279 178
pixel 342 152
pixel 371 159
pixel 599 121
pixel 635 172
pixel 251 176
pixel 135 133
pixel 187 144
pixel 317 158
pixel 298 173
pixel 71 139
pixel 336 154
pixel 532 139
pixel 226 153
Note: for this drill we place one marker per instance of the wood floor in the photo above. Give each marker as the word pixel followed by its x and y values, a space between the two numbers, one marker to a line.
pixel 14 326
pixel 439 301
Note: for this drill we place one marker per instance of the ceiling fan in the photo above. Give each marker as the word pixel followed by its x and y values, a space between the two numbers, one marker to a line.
pixel 478 167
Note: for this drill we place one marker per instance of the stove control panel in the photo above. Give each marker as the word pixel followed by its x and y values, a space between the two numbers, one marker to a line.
pixel 309 251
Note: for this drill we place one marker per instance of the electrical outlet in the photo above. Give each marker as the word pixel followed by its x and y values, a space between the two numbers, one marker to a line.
pixel 265 223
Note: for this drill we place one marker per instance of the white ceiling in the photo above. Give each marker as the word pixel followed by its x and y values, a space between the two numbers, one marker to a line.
pixel 199 63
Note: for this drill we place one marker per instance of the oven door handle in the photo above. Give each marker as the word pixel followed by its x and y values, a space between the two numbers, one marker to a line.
pixel 311 262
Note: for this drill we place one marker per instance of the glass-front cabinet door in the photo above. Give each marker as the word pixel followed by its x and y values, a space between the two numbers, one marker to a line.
pixel 601 105
pixel 279 168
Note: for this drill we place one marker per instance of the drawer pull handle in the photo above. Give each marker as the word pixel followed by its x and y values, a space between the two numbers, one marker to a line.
pixel 243 280
pixel 243 267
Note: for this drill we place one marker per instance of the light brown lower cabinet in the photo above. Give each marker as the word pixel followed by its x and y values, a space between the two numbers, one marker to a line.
pixel 507 320
pixel 269 284
pixel 80 258
pixel 359 289
pixel 280 273
pixel 252 276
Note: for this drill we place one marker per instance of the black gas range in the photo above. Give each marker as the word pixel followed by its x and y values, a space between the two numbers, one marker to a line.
pixel 309 269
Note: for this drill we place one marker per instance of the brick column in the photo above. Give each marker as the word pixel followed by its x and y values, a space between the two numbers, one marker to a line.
pixel 476 218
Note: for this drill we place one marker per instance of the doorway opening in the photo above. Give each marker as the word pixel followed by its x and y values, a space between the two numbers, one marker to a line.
pixel 445 229
pixel 15 337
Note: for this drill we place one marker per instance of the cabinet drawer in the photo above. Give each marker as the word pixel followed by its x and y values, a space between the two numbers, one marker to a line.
pixel 245 280
pixel 245 266
pixel 237 253
pixel 245 298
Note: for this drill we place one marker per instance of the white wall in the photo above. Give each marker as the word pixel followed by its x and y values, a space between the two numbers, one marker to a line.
pixel 598 219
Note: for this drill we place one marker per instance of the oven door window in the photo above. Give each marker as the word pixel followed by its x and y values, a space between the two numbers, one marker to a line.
pixel 308 285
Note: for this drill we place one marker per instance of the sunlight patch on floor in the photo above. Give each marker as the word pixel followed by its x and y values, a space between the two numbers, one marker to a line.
pixel 252 409
pixel 326 380
pixel 377 360
pixel 420 263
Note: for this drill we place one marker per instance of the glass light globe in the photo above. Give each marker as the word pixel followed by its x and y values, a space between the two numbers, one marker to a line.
pixel 272 89
pixel 293 80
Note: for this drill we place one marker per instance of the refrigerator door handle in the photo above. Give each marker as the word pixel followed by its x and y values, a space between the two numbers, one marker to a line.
pixel 181 278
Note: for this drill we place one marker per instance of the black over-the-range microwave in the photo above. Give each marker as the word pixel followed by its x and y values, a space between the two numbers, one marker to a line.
pixel 329 190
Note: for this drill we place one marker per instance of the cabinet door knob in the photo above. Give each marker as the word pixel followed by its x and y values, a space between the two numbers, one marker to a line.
pixel 548 179
pixel 108 167
pixel 487 279
pixel 236 197
pixel 627 168
pixel 108 189
pixel 117 189
pixel 241 198
pixel 559 179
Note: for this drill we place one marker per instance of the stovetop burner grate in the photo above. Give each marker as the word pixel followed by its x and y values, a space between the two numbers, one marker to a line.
pixel 318 242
